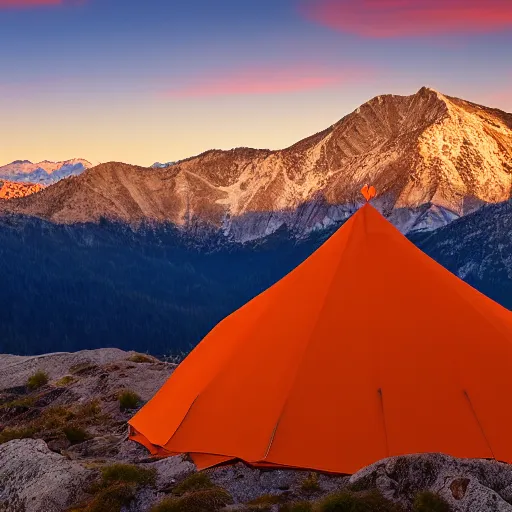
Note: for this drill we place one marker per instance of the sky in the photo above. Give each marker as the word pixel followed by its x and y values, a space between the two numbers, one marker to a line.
pixel 140 81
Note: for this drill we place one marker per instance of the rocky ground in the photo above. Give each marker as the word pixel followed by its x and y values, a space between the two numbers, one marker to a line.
pixel 64 447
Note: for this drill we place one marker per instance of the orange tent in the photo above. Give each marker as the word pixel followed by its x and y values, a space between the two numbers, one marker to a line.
pixel 366 350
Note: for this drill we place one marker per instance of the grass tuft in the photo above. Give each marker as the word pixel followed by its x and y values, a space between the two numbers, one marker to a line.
pixel 128 400
pixel 9 434
pixel 140 358
pixel 299 506
pixel 430 502
pixel 37 380
pixel 349 502
pixel 84 369
pixel 65 381
pixel 21 403
pixel 75 434
pixel 112 499
pixel 204 500
pixel 310 484
pixel 266 500
pixel 128 473
pixel 193 482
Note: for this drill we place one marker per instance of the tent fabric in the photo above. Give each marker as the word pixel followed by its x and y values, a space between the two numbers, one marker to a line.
pixel 368 349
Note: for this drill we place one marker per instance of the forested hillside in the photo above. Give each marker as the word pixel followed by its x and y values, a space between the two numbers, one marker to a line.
pixel 88 286
pixel 159 290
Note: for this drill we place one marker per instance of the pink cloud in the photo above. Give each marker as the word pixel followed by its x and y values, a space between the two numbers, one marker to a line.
pixel 409 18
pixel 20 4
pixel 261 81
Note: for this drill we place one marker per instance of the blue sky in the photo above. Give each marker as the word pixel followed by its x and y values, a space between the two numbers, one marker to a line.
pixel 140 81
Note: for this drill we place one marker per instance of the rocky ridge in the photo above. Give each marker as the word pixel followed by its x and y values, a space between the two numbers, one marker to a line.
pixel 432 158
pixel 42 173
pixel 45 466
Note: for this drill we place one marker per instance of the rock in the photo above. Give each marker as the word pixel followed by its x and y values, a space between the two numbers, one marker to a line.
pixel 34 479
pixel 171 469
pixel 131 452
pixel 144 501
pixel 58 445
pixel 98 447
pixel 246 484
pixel 15 370
pixel 468 485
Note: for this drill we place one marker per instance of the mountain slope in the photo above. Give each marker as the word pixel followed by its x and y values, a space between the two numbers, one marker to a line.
pixel 97 285
pixel 431 157
pixel 149 289
pixel 43 173
pixel 477 248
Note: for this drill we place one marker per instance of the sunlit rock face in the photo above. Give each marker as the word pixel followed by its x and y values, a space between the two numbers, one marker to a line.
pixel 12 190
pixel 432 158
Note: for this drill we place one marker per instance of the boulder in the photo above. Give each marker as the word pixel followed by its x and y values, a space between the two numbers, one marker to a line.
pixel 170 470
pixel 35 479
pixel 468 485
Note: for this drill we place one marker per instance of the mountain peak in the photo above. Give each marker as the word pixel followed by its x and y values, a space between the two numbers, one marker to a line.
pixel 431 157
pixel 427 90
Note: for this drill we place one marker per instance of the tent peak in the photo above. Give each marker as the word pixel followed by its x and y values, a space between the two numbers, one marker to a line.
pixel 368 192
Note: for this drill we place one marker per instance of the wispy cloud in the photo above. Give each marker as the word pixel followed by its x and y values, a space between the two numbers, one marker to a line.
pixel 409 18
pixel 23 4
pixel 266 80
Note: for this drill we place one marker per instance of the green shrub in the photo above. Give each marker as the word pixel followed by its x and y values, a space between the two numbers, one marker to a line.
pixel 65 381
pixel 128 400
pixel 204 500
pixel 128 473
pixel 76 434
pixel 38 380
pixel 140 358
pixel 430 502
pixel 9 434
pixel 193 482
pixel 310 484
pixel 300 506
pixel 349 502
pixel 112 499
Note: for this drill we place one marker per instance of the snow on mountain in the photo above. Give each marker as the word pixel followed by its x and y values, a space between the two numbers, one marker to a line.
pixel 43 173
pixel 432 158
pixel 158 165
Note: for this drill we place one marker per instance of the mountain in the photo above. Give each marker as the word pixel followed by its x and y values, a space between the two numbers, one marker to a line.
pixel 477 248
pixel 43 173
pixel 12 190
pixel 105 284
pixel 432 158
pixel 98 285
